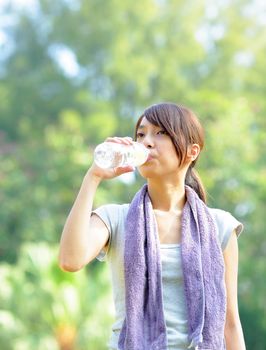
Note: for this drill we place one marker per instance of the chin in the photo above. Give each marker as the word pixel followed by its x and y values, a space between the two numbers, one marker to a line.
pixel 146 172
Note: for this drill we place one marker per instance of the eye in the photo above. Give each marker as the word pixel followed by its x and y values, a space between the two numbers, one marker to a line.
pixel 162 132
pixel 139 135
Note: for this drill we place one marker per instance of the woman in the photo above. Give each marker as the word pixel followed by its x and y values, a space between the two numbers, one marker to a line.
pixel 173 260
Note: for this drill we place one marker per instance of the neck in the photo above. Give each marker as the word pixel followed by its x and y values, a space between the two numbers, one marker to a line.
pixel 167 196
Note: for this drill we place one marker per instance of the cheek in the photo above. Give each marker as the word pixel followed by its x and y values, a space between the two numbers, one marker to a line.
pixel 171 155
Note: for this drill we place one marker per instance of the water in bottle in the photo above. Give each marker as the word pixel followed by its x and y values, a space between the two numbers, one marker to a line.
pixel 110 155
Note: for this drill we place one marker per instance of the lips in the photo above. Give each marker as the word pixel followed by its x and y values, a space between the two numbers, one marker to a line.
pixel 150 157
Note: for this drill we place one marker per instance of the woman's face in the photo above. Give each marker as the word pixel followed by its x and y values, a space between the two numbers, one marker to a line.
pixel 163 159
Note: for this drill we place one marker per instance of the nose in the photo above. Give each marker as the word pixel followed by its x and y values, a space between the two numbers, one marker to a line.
pixel 148 141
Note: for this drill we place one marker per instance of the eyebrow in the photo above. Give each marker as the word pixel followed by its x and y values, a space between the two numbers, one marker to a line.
pixel 141 126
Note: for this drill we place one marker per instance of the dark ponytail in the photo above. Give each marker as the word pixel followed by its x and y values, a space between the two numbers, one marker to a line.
pixel 193 180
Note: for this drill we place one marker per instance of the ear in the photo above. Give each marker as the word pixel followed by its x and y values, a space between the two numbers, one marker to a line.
pixel 193 151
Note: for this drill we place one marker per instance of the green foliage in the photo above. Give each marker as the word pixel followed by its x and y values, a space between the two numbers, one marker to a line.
pixel 43 307
pixel 125 56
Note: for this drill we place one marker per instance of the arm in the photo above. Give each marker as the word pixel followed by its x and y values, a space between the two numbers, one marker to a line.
pixel 233 329
pixel 84 235
pixel 77 246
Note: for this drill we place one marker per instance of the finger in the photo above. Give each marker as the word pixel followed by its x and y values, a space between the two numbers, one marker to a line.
pixel 122 170
pixel 126 140
pixel 129 140
pixel 122 140
pixel 113 139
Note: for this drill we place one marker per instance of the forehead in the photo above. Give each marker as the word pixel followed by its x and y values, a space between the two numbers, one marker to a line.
pixel 146 124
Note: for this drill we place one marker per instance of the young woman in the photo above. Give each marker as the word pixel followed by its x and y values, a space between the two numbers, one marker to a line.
pixel 173 260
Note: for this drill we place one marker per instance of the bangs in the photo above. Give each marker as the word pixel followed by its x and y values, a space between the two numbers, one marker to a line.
pixel 159 115
pixel 153 116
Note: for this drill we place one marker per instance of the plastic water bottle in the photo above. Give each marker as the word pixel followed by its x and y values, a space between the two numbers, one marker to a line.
pixel 111 155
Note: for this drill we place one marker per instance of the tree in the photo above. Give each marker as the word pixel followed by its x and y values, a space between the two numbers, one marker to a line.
pixel 122 57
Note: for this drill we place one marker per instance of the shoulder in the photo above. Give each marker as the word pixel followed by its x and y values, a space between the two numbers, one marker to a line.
pixel 226 223
pixel 112 214
pixel 113 210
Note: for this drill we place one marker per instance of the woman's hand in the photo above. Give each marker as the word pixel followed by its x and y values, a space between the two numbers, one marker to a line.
pixel 104 174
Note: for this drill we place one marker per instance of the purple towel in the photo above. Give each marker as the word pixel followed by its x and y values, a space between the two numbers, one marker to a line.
pixel 203 268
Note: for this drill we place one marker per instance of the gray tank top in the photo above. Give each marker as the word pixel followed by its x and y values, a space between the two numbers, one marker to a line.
pixel 175 310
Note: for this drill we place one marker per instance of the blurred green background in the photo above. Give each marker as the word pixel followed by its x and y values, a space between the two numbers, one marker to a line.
pixel 73 73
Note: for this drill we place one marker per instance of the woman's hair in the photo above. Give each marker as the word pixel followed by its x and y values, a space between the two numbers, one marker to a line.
pixel 184 129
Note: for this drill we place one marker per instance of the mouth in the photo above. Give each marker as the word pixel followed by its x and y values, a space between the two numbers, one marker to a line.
pixel 150 157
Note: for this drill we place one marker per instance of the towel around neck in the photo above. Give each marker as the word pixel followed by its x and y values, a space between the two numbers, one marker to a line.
pixel 144 326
